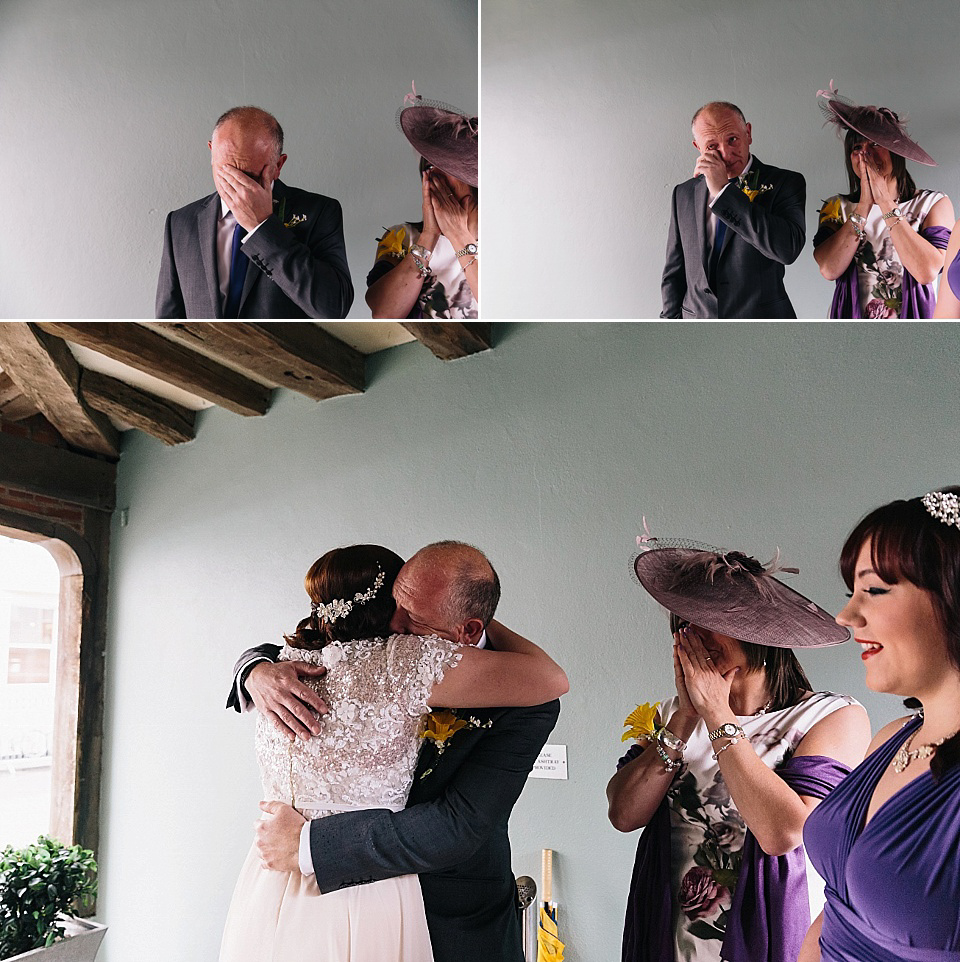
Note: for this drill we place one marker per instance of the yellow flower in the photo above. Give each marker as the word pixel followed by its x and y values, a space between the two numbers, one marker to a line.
pixel 831 211
pixel 640 721
pixel 393 244
pixel 440 725
pixel 752 194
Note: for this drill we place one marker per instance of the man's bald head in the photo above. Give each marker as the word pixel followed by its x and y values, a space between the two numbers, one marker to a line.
pixel 253 122
pixel 472 587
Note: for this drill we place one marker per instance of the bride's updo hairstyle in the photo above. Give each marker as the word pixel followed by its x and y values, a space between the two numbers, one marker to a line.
pixel 351 590
pixel 907 541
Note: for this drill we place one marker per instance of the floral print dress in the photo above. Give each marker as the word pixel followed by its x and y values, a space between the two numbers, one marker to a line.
pixel 879 271
pixel 707 832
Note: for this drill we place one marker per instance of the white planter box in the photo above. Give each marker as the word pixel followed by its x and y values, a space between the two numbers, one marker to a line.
pixel 81 945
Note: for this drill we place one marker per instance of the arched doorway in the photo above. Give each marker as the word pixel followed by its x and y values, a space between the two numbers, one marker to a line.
pixel 41 584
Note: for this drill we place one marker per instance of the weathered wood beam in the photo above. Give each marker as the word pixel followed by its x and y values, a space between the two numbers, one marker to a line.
pixel 169 422
pixel 147 351
pixel 450 341
pixel 14 404
pixel 296 355
pixel 57 473
pixel 47 373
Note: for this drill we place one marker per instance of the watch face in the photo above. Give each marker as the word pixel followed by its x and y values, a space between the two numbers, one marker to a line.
pixel 471 248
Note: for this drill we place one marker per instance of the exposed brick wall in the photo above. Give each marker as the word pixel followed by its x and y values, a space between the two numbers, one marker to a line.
pixel 39 430
pixel 42 507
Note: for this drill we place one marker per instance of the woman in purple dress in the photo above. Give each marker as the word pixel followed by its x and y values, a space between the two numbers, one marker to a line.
pixel 887 840
pixel 948 300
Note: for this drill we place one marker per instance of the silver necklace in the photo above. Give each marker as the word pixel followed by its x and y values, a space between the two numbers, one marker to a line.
pixel 906 755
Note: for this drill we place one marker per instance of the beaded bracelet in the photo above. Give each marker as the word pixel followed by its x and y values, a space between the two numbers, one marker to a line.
pixel 421 266
pixel 670 765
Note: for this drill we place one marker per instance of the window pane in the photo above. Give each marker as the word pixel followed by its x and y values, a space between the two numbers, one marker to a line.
pixel 31 626
pixel 28 666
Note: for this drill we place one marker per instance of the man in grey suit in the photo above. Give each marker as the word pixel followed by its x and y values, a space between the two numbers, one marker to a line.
pixel 733 226
pixel 256 248
pixel 453 832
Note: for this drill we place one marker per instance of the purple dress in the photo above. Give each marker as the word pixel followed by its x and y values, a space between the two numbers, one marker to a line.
pixel 892 888
pixel 953 276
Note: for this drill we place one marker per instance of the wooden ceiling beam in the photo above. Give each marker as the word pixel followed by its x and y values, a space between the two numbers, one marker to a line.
pixel 451 341
pixel 158 417
pixel 147 351
pixel 49 375
pixel 296 355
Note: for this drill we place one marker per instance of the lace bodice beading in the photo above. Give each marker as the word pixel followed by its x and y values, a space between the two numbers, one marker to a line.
pixel 366 754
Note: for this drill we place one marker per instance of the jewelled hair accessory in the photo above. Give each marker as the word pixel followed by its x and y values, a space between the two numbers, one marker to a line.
pixel 943 506
pixel 341 607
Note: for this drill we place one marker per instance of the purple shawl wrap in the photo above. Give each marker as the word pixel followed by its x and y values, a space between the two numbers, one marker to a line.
pixel 770 913
pixel 919 300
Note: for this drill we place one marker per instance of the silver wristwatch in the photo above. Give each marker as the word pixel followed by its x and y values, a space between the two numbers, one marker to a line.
pixel 671 741
pixel 896 212
pixel 469 249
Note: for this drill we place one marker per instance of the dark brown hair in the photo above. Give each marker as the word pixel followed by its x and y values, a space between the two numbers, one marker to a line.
pixel 909 543
pixel 787 682
pixel 906 188
pixel 341 574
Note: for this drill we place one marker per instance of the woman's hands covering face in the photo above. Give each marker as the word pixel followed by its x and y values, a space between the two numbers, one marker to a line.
pixel 707 689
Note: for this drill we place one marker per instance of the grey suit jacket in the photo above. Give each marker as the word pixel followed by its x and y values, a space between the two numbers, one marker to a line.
pixel 762 237
pixel 295 272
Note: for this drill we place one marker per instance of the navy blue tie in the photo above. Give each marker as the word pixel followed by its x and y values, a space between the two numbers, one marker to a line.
pixel 238 272
pixel 715 253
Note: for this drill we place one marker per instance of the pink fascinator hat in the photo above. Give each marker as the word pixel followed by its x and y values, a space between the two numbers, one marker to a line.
pixel 445 136
pixel 879 125
pixel 733 594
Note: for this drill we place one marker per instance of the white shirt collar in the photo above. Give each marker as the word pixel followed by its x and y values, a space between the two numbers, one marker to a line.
pixel 482 643
pixel 746 170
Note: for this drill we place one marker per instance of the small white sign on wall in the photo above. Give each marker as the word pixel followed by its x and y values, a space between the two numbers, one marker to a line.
pixel 552 762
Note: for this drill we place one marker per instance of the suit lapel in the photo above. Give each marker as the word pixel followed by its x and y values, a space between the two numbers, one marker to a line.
pixel 207 218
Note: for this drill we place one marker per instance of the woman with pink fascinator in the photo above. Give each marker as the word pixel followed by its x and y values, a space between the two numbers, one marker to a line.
pixel 883 242
pixel 724 775
pixel 431 268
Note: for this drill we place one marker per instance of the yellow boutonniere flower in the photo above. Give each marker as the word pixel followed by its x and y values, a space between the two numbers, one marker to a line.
pixel 393 244
pixel 640 721
pixel 831 211
pixel 438 726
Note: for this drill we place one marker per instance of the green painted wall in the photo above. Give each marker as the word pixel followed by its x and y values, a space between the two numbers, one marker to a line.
pixel 546 451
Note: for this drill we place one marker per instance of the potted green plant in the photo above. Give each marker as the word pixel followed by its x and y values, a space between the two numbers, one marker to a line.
pixel 39 886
